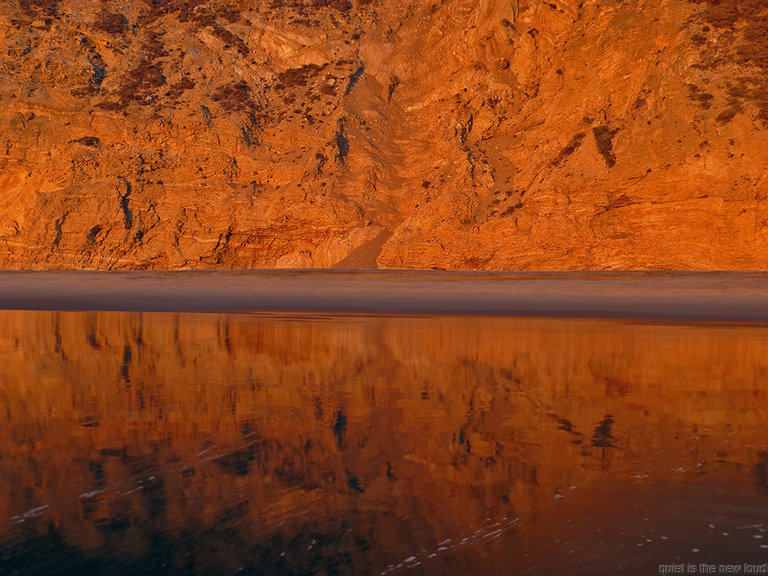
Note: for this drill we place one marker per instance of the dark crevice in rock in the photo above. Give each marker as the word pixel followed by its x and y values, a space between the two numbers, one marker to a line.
pixel 394 82
pixel 89 141
pixel 92 234
pixel 57 225
pixel 342 142
pixel 465 129
pixel 570 148
pixel 355 78
pixel 124 200
pixel 250 131
pixel 604 140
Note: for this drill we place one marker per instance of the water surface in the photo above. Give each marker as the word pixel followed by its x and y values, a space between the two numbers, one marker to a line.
pixel 165 443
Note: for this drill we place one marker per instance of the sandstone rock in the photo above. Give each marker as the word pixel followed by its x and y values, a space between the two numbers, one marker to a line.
pixel 459 134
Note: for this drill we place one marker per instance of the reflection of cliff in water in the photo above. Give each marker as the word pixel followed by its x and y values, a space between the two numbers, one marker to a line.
pixel 218 442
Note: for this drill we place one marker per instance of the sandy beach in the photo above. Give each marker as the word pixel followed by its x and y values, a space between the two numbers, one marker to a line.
pixel 688 296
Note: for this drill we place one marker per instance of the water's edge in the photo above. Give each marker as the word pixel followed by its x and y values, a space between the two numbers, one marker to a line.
pixel 696 296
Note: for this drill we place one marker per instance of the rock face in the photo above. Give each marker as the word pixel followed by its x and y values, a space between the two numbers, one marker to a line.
pixel 455 134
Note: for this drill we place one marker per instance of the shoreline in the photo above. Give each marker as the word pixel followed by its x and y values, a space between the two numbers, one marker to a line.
pixel 689 296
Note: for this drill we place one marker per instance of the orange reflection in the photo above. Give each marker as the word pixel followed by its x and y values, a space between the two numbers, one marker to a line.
pixel 345 442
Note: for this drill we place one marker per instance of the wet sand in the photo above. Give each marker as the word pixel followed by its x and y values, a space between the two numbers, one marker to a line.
pixel 689 296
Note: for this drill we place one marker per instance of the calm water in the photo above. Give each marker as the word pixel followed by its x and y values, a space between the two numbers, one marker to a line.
pixel 158 443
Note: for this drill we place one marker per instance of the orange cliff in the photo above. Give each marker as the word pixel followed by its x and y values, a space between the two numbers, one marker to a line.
pixel 368 435
pixel 402 134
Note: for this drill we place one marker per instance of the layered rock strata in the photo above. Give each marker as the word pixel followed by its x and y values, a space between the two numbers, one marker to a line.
pixel 450 134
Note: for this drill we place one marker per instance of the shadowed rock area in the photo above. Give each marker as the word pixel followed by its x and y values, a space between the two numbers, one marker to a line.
pixel 453 134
